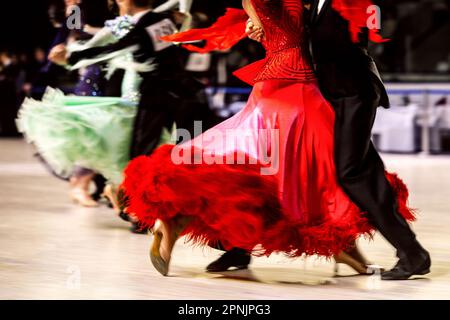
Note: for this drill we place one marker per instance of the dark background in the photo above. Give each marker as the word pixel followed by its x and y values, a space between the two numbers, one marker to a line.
pixel 419 29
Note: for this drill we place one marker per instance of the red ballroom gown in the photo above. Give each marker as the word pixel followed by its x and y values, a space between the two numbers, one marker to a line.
pixel 265 179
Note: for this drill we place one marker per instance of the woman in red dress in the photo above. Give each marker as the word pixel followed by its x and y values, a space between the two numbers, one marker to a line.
pixel 263 180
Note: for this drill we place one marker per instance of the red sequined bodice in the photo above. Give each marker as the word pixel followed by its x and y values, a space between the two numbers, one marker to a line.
pixel 287 54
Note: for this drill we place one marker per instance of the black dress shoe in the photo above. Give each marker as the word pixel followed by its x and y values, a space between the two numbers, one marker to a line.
pixel 235 258
pixel 124 216
pixel 404 270
pixel 136 228
pixel 100 183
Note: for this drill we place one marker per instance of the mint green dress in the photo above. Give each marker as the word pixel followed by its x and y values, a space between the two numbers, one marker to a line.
pixel 90 132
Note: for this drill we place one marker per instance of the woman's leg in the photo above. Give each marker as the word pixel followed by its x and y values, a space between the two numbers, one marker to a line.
pixel 356 260
pixel 165 235
pixel 80 182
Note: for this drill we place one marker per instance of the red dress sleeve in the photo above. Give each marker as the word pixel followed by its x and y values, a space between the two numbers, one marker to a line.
pixel 355 12
pixel 222 35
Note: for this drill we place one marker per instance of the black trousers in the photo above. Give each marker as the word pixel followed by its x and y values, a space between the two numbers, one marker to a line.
pixel 164 103
pixel 152 116
pixel 361 172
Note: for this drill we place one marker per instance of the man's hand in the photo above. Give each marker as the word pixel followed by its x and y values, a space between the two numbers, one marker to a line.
pixel 254 32
pixel 58 55
pixel 179 17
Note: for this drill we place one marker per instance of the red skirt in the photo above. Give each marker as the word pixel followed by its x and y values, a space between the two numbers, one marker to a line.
pixel 263 180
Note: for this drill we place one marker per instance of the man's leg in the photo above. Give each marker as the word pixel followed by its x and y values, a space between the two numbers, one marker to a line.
pixel 148 125
pixel 361 173
pixel 150 120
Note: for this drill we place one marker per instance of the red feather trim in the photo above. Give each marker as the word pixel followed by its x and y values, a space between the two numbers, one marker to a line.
pixel 233 204
pixel 355 12
pixel 401 192
pixel 239 207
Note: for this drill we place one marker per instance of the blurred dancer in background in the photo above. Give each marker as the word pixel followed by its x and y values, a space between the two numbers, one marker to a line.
pixel 74 133
pixel 169 95
pixel 94 132
pixel 91 83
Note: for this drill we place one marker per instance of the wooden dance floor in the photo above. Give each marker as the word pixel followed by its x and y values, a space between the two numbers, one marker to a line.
pixel 53 249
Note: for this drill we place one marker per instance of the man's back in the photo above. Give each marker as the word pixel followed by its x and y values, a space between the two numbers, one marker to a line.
pixel 344 68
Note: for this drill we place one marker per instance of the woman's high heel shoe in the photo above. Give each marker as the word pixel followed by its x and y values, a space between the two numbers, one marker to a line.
pixel 362 267
pixel 111 195
pixel 165 234
pixel 160 264
pixel 80 196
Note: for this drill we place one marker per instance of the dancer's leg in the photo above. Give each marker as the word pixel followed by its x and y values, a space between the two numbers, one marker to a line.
pixel 361 173
pixel 165 234
pixel 80 182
